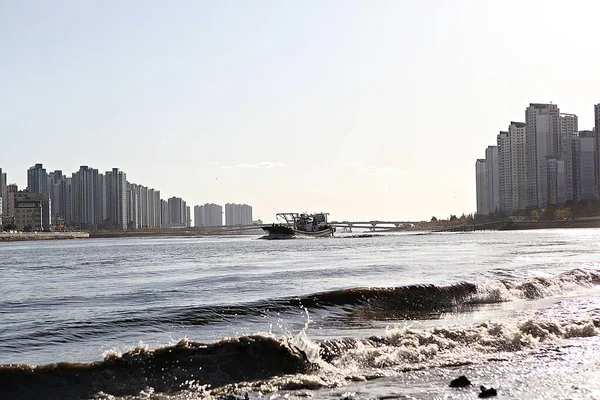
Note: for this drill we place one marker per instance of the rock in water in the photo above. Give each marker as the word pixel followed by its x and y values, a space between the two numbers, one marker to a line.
pixel 461 381
pixel 487 392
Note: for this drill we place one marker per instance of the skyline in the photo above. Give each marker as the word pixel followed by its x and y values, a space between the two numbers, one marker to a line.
pixel 374 110
pixel 45 180
pixel 545 161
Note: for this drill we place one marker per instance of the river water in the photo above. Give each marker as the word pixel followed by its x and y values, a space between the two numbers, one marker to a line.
pixel 357 316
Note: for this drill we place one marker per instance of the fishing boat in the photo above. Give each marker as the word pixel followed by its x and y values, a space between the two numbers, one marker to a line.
pixel 300 224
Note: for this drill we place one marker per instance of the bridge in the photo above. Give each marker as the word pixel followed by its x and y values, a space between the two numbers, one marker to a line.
pixel 347 226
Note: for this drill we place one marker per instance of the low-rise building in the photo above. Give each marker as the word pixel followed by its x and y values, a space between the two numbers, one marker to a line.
pixel 29 211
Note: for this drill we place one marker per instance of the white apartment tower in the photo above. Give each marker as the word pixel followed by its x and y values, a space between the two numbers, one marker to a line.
pixel 37 179
pixel 481 178
pixel 504 171
pixel 213 214
pixel 178 213
pixel 199 216
pixel 511 168
pixel 238 214
pixel 116 199
pixel 3 192
pixel 85 198
pixel 165 217
pixel 493 183
pixel 516 131
pixel 542 142
pixel 59 196
pixel 568 126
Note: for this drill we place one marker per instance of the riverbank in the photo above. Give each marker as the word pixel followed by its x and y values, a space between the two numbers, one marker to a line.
pixel 26 236
pixel 584 223
pixel 519 226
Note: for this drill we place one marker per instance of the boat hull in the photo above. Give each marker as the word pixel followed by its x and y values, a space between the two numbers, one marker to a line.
pixel 280 230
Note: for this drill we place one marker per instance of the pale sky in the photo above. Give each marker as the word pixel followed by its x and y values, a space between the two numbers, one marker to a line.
pixel 363 109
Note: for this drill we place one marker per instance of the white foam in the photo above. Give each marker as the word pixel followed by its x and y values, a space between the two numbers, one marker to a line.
pixel 407 347
pixel 497 291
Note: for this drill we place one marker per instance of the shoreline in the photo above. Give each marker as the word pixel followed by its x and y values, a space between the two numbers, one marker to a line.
pixel 30 236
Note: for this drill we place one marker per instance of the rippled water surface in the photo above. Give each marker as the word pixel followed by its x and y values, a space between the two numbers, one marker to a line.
pixel 374 316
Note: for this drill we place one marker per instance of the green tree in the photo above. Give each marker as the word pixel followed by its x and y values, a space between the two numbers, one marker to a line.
pixel 563 214
pixel 9 227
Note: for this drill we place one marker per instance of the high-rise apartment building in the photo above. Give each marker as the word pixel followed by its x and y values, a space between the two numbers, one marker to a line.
pixel 143 206
pixel 165 215
pixel 178 215
pixel 505 176
pixel 199 216
pixel 86 198
pixel 151 209
pixel 3 191
pixel 59 197
pixel 238 214
pixel 213 214
pixel 491 158
pixel 68 201
pixel 586 179
pixel 37 179
pixel 568 126
pixel 208 214
pixel 557 191
pixel 542 141
pixel 580 166
pixel 516 131
pixel 116 199
pixel 512 168
pixel 157 209
pixel 132 206
pixel 481 179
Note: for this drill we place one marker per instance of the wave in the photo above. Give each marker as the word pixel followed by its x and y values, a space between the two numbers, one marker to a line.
pixel 402 301
pixel 167 369
pixel 233 367
pixel 411 349
pixel 365 304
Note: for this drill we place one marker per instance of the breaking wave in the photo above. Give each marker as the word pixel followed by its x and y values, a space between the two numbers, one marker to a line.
pixel 409 348
pixel 404 301
pixel 166 369
pixel 368 303
pixel 233 367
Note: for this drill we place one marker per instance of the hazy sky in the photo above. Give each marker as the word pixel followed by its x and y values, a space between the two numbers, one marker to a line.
pixel 364 109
